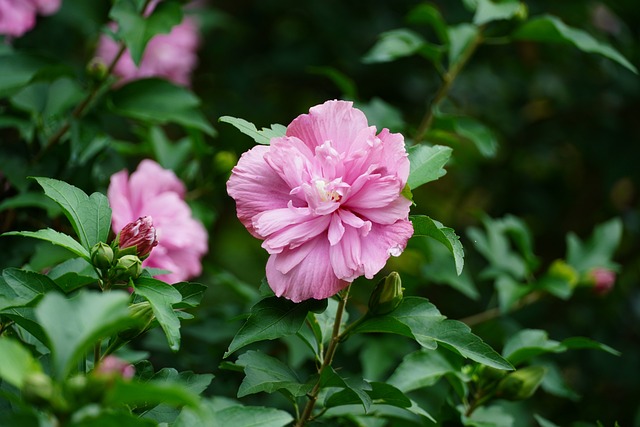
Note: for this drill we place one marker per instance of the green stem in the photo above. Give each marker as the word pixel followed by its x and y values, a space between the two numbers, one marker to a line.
pixel 447 81
pixel 495 312
pixel 327 360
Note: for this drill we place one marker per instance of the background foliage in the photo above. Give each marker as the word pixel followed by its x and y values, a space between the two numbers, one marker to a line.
pixel 559 152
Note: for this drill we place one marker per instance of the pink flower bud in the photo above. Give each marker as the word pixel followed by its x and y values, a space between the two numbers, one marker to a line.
pixel 141 233
pixel 112 366
pixel 603 280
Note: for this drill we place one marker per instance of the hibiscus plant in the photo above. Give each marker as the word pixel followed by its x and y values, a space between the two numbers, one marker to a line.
pixel 119 305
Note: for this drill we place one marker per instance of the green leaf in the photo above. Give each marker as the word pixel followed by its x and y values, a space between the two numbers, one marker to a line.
pixel 355 390
pixel 460 39
pixel 136 393
pixel 488 11
pixel 57 238
pixel 110 419
pixel 268 374
pixel 17 70
pixel 417 318
pixel 73 325
pixel 30 199
pixel 582 343
pixel 510 291
pixel 383 114
pixel 90 216
pixel 262 137
pixel 190 292
pixel 489 416
pixel 171 155
pixel 428 14
pixel 422 368
pixel 550 29
pixel 527 344
pixel 425 226
pixel 427 164
pixel 158 101
pixel 272 318
pixel 21 288
pixel 195 383
pixel 554 383
pixel 25 318
pixel 136 30
pixel 440 268
pixel 395 44
pixel 162 297
pixel 598 250
pixel 16 362
pixel 543 422
pixel 379 394
pixel 73 274
pixel 469 129
pixel 220 412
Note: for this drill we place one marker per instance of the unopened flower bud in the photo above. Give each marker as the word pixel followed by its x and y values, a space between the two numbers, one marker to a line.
pixel 560 268
pixel 38 389
pixel 387 295
pixel 127 267
pixel 224 161
pixel 521 384
pixel 102 256
pixel 140 234
pixel 602 280
pixel 114 367
pixel 142 313
pixel 81 390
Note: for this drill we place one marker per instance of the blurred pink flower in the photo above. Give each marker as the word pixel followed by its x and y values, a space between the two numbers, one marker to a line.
pixel 603 280
pixel 171 56
pixel 112 366
pixel 19 16
pixel 326 199
pixel 157 192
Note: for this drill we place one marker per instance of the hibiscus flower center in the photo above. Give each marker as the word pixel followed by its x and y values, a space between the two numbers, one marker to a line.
pixel 330 191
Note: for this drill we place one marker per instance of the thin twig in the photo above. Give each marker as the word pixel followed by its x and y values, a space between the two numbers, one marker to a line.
pixel 495 312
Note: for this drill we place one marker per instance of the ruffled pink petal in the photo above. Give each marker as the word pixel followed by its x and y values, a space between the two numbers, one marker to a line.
pixel 394 155
pixel 346 256
pixel 309 279
pixel 382 242
pixel 297 234
pixel 335 121
pixel 47 7
pixel 256 187
pixel 275 220
pixel 291 159
pixel 389 214
pixel 372 192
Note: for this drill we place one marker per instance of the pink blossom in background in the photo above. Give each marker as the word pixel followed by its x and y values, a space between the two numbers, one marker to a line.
pixel 326 199
pixel 158 193
pixel 171 56
pixel 603 280
pixel 19 16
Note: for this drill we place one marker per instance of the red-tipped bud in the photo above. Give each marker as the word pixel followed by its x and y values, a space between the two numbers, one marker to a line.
pixel 141 233
pixel 603 280
pixel 112 366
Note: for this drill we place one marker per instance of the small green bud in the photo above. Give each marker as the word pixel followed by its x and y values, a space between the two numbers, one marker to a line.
pixel 97 70
pixel 521 384
pixel 387 295
pixel 102 256
pixel 38 389
pixel 127 267
pixel 224 161
pixel 560 268
pixel 488 375
pixel 143 314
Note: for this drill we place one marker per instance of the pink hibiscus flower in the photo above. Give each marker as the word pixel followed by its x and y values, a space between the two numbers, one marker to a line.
pixel 171 56
pixel 326 199
pixel 158 193
pixel 19 16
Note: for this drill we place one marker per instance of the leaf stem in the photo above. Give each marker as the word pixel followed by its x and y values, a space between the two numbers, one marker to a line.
pixel 495 312
pixel 327 359
pixel 447 81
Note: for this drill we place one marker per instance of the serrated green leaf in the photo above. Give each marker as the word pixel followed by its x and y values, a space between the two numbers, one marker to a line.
pixel 272 318
pixel 262 137
pixel 136 30
pixel 16 363
pixel 158 101
pixel 162 297
pixel 55 237
pixel 355 390
pixel 73 325
pixel 488 11
pixel 422 368
pixel 135 393
pixel 211 414
pixel 22 288
pixel 427 164
pixel 550 29
pixel 190 292
pixel 90 216
pixel 425 226
pixel 264 373
pixel 417 318
pixel 380 394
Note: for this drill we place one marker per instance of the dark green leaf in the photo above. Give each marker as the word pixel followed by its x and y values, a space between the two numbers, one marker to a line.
pixel 272 318
pixel 57 238
pixel 426 13
pixel 417 318
pixel 162 297
pixel 460 39
pixel 90 216
pixel 395 44
pixel 382 114
pixel 191 293
pixel 422 368
pixel 259 136
pixel 527 344
pixel 158 101
pixel 222 412
pixel 73 274
pixel 17 70
pixel 25 318
pixel 30 199
pixel 136 30
pixel 74 324
pixel 543 422
pixel 440 268
pixel 20 287
pixel 582 343
pixel 268 374
pixel 550 29
pixel 380 394
pixel 510 291
pixel 425 226
pixel 16 363
pixel 111 419
pixel 355 390
pixel 489 416
pixel 427 164
pixel 598 250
